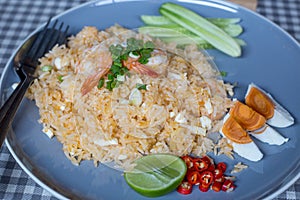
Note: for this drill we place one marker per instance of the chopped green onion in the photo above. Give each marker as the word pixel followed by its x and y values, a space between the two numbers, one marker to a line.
pixel 116 51
pixel 124 71
pixel 60 78
pixel 149 45
pixel 145 55
pixel 134 44
pixel 46 68
pixel 110 77
pixel 124 56
pixel 137 49
pixel 223 73
pixel 108 85
pixel 134 54
pixel 100 83
pixel 115 69
pixel 113 84
pixel 121 78
pixel 141 86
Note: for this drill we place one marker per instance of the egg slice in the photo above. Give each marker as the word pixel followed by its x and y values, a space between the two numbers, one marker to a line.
pixel 269 135
pixel 240 140
pixel 248 118
pixel 263 103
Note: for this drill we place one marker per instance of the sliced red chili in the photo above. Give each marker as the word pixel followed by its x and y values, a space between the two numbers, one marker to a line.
pixel 228 186
pixel 216 186
pixel 218 173
pixel 220 179
pixel 185 188
pixel 188 161
pixel 200 165
pixel 222 166
pixel 203 188
pixel 206 178
pixel 208 160
pixel 211 168
pixel 193 177
pixel 206 174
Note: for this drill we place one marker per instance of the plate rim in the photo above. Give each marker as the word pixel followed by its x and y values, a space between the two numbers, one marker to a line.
pixel 269 195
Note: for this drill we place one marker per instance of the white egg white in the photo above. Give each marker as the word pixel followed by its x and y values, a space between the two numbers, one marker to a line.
pixel 250 151
pixel 281 118
pixel 269 135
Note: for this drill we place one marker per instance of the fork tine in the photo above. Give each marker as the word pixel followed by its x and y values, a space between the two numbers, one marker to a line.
pixel 63 36
pixel 38 41
pixel 55 37
pixel 47 40
pixel 44 41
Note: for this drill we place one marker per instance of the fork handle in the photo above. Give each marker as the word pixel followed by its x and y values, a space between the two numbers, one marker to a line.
pixel 10 107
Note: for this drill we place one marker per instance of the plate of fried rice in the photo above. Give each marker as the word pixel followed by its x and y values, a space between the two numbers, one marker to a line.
pixel 74 135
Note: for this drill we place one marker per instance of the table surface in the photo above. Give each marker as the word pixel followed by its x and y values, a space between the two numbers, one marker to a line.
pixel 18 18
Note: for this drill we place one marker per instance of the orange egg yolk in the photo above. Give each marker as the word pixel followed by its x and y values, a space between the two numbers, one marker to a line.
pixel 260 102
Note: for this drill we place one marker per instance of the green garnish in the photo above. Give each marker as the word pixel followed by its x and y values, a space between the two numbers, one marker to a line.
pixel 145 55
pixel 46 68
pixel 116 51
pixel 223 73
pixel 141 86
pixel 134 45
pixel 100 83
pixel 118 72
pixel 110 77
pixel 60 78
pixel 149 45
pixel 108 85
pixel 113 84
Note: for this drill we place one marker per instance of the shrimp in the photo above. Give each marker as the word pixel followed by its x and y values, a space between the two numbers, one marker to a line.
pixel 103 67
pixel 135 65
pixel 156 65
pixel 158 61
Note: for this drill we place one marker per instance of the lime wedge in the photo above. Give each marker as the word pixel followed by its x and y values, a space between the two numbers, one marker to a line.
pixel 157 174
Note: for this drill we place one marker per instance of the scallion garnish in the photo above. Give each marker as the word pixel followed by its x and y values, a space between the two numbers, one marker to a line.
pixel 46 68
pixel 223 73
pixel 108 85
pixel 116 51
pixel 110 77
pixel 60 78
pixel 113 84
pixel 100 83
pixel 135 48
pixel 141 86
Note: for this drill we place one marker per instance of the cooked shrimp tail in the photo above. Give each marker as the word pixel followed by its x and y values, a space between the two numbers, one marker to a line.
pixel 104 59
pixel 133 64
pixel 93 80
pixel 143 69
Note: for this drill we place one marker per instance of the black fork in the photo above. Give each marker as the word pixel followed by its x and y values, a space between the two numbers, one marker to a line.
pixel 25 63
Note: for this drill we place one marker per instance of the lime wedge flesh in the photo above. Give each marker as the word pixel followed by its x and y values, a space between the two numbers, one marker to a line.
pixel 156 175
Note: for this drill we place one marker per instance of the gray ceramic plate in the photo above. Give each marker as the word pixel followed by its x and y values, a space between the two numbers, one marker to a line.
pixel 270 59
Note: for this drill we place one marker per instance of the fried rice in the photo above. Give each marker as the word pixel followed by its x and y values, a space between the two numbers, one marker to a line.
pixel 177 113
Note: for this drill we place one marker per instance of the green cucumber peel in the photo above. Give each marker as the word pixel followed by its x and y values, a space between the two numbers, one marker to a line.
pixel 201 27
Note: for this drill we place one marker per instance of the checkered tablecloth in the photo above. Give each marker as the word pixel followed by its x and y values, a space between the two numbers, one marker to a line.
pixel 19 17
